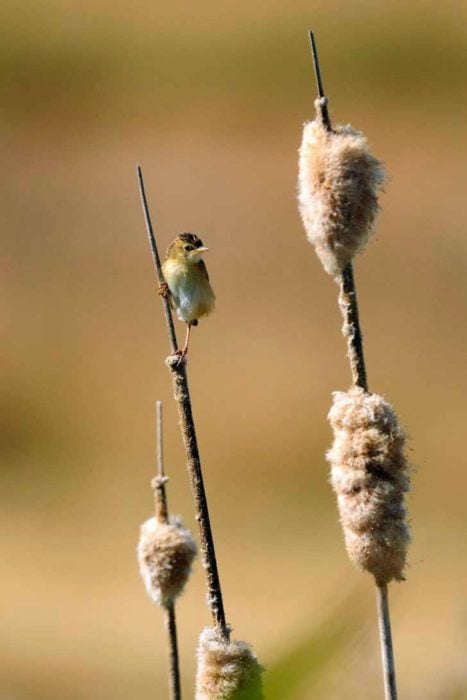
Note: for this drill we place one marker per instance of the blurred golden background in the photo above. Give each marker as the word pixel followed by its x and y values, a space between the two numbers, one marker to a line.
pixel 210 98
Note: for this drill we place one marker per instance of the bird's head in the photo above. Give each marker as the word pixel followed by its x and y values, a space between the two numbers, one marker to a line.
pixel 187 247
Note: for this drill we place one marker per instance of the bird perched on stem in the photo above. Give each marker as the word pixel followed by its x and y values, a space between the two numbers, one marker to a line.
pixel 187 282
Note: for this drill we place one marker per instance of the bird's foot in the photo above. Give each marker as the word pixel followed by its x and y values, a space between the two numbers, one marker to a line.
pixel 182 355
pixel 163 290
pixel 177 357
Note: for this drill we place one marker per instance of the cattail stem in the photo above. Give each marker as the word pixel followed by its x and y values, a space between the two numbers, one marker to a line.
pixel 187 425
pixel 208 554
pixel 351 328
pixel 352 332
pixel 162 516
pixel 387 654
pixel 174 667
pixel 160 494
pixel 157 261
pixel 323 100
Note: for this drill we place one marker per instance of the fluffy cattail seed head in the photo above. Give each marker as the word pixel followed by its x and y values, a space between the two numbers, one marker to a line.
pixel 337 192
pixel 165 554
pixel 226 670
pixel 370 475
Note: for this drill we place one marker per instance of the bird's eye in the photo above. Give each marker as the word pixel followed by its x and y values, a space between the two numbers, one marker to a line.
pixel 187 247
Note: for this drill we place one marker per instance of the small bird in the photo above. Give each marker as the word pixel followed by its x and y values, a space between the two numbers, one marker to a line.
pixel 187 282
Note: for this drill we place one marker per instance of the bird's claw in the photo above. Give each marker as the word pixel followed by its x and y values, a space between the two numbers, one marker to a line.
pixel 177 357
pixel 175 360
pixel 181 356
pixel 163 290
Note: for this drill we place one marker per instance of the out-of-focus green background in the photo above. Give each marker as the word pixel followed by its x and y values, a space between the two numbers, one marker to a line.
pixel 210 98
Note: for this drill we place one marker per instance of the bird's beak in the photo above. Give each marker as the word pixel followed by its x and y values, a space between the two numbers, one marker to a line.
pixel 198 252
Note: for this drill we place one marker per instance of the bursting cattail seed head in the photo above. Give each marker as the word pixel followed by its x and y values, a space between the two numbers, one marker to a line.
pixel 165 555
pixel 337 192
pixel 370 475
pixel 226 670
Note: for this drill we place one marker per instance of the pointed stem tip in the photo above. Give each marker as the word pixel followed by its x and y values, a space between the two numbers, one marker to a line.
pixel 314 53
pixel 322 103
pixel 157 260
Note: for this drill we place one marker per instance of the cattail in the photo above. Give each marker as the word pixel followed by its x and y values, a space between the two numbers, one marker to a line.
pixel 165 554
pixel 370 475
pixel 227 670
pixel 338 184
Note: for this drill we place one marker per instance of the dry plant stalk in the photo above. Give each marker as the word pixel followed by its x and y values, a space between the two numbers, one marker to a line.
pixel 338 186
pixel 238 671
pixel 165 555
pixel 187 426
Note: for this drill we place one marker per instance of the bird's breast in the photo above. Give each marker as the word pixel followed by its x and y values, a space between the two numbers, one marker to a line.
pixel 192 295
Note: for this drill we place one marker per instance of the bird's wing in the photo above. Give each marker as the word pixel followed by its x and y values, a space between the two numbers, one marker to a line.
pixel 203 268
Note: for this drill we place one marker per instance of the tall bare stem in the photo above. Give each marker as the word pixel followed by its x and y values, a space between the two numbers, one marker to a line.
pixel 187 426
pixel 162 515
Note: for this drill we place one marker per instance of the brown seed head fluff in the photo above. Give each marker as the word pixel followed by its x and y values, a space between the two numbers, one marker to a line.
pixel 165 554
pixel 337 192
pixel 226 670
pixel 370 475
